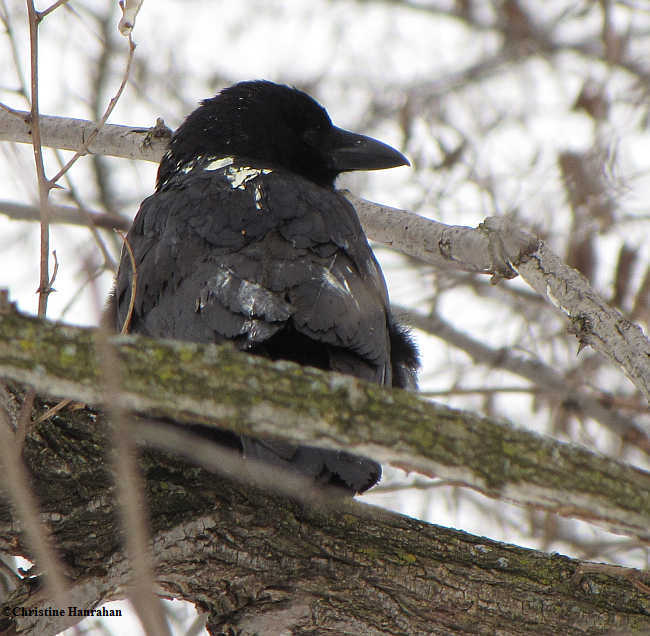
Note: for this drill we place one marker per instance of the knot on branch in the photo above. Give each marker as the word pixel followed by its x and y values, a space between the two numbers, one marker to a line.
pixel 508 246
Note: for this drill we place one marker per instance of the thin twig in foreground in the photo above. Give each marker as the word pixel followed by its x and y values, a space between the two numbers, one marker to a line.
pixel 131 497
pixel 18 489
pixel 43 184
pixel 52 7
pixel 134 284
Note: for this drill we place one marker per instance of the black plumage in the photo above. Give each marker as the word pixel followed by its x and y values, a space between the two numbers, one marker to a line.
pixel 245 239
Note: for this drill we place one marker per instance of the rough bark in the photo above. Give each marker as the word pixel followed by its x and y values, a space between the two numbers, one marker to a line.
pixel 283 400
pixel 260 562
pixel 592 320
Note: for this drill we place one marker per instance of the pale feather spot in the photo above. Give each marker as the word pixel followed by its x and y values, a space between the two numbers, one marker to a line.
pixel 217 164
pixel 240 176
pixel 258 197
pixel 335 283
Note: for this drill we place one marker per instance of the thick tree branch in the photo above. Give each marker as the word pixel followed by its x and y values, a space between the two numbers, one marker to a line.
pixel 219 386
pixel 263 563
pixel 70 134
pixel 496 247
pixel 592 320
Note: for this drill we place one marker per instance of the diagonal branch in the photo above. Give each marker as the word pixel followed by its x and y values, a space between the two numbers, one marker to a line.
pixel 221 387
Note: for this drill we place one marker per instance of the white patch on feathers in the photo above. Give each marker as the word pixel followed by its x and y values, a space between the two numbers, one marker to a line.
pixel 217 164
pixel 241 175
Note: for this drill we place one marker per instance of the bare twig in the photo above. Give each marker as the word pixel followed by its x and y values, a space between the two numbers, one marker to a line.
pixel 11 111
pixel 24 419
pixel 130 489
pixel 134 283
pixel 125 327
pixel 55 272
pixel 18 490
pixel 53 411
pixel 65 214
pixel 43 184
pixel 52 7
pixel 16 56
pixel 83 211
pixel 107 113
pixel 130 9
pixel 7 570
pixel 91 276
pixel 11 446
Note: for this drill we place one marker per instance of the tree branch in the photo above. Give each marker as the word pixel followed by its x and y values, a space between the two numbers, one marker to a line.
pixel 66 133
pixel 44 186
pixel 65 214
pixel 252 558
pixel 254 396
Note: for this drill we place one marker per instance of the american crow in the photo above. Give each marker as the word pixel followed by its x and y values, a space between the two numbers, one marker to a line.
pixel 245 239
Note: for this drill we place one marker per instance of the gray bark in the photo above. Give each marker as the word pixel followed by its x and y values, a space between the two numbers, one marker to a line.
pixel 294 558
pixel 261 562
pixel 283 400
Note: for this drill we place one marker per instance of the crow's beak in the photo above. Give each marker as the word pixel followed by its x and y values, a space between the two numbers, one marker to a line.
pixel 350 151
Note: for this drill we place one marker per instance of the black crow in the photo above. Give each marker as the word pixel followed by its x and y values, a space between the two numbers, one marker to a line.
pixel 245 239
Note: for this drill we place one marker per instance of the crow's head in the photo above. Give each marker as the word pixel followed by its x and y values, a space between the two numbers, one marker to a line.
pixel 276 125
